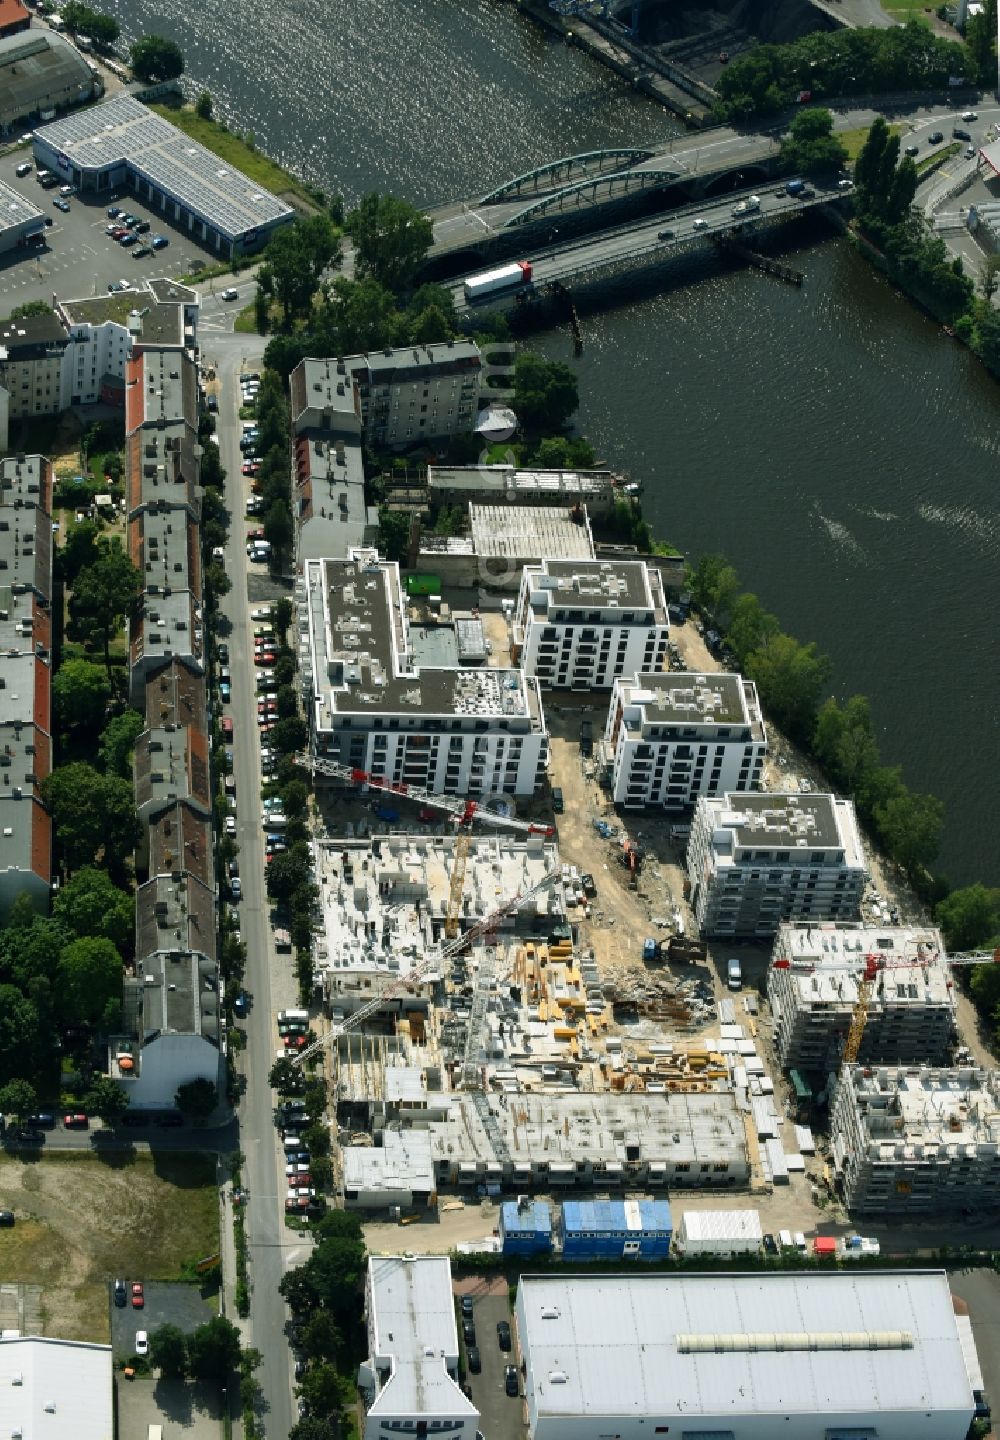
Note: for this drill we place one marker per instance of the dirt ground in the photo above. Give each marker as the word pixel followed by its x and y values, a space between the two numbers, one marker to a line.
pixel 82 1221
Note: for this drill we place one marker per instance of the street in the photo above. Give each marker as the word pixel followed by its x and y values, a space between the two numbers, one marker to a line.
pixel 272 1248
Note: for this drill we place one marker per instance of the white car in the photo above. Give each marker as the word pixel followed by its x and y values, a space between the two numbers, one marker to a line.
pixel 230 824
pixel 969 115
pixel 230 294
pixel 261 612
pixel 141 1342
pixel 297 1167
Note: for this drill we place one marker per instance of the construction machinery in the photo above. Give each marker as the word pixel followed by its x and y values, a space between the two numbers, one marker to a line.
pixel 463 811
pixel 867 969
pixel 431 962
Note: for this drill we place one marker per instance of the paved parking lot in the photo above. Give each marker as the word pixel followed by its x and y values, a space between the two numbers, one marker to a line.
pixel 166 1304
pixel 191 1408
pixel 502 1415
pixel 78 258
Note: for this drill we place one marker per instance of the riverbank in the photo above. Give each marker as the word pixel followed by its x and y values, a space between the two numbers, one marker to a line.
pixel 242 154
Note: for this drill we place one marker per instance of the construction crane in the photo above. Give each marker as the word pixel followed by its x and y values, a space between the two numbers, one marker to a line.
pixel 430 962
pixel 867 969
pixel 463 811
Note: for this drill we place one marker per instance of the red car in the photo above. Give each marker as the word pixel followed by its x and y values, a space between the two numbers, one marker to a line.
pixel 251 467
pixel 227 727
pixel 138 1298
pixel 265 658
pixel 255 535
pixel 76 1121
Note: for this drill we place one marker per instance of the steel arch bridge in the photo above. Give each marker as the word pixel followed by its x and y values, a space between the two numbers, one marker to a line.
pixel 605 187
pixel 563 169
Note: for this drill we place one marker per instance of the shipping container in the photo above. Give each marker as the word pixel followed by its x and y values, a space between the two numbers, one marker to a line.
pixel 423 585
pixel 525 1227
pixel 720 1232
pixel 616 1229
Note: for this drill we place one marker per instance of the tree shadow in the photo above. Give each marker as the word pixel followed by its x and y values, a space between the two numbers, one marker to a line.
pixel 113 1151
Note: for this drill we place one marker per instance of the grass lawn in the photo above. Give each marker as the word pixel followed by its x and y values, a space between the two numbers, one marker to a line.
pixel 82 1220
pixel 246 321
pixel 938 158
pixel 238 154
pixel 854 139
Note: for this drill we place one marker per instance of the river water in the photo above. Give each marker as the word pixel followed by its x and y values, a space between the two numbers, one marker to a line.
pixel 829 440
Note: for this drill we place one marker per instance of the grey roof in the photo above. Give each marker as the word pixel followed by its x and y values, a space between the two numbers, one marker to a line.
pixel 174 914
pixel 180 993
pixel 411 363
pixel 411 1321
pixel 167 290
pixel 620 1345
pixel 25 538
pixel 15 210
pixel 32 334
pixel 679 698
pixel 529 532
pixel 122 131
pixel 583 584
pixel 812 822
pixel 169 389
pixel 150 321
pixel 171 765
pixel 37 68
pixel 401 1164
pixel 180 838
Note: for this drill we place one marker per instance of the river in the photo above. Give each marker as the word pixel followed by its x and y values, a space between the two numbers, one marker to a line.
pixel 829 440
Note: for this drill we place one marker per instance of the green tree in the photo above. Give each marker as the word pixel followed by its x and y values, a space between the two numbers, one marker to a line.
pixel 118 742
pixel 969 918
pixel 844 743
pixel 811 146
pixel 430 327
pixel 714 587
pixel 29 308
pixel 81 691
pixel 394 534
pixel 22 1041
pixel 80 550
pixel 89 980
pixel 289 736
pixel 155 58
pixel 203 106
pixel 278 527
pixel 91 814
pixel 909 827
pixel 104 594
pixel 902 191
pixel 750 627
pixel 168 1351
pixel 198 1098
pixel 558 452
pixel 545 393
pixel 311 1427
pixel 391 238
pixel 320 1388
pixel 214 1349
pixel 791 678
pixel 286 1078
pixel 92 906
pixel 19 1099
pixel 321 1339
pixel 981 41
pixel 106 1099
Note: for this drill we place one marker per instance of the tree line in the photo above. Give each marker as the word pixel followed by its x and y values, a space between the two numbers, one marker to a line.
pixel 825 64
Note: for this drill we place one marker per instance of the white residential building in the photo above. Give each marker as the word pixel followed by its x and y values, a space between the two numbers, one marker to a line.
pixel 854 1356
pixel 579 625
pixel 814 982
pixel 756 860
pixel 917 1140
pixel 676 736
pixel 410 1380
pixel 457 731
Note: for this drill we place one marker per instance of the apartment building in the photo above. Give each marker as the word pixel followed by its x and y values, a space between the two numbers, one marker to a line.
pixel 420 392
pixel 675 736
pixel 106 330
pixel 754 861
pixel 457 730
pixel 32 355
pixel 814 982
pixel 162 484
pixel 25 678
pixel 328 480
pixel 918 1140
pixel 580 625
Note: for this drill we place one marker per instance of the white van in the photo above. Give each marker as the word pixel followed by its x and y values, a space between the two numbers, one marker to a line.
pixel 293 1017
pixel 734 974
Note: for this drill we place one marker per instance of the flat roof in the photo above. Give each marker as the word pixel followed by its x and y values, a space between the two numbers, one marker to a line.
pixel 678 698
pixel 401 1163
pixel 147 319
pixel 179 993
pixel 581 584
pixel 32 332
pixel 122 131
pixel 411 1324
pixel 640 1345
pixel 56 1389
pixel 524 484
pixel 832 956
pixel 15 210
pixel 786 822
pixel 161 389
pixel 616 1216
pixel 529 532
pixel 904 1109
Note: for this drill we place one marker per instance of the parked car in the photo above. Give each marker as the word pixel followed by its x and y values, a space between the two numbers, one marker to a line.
pixel 141 1342
pixel 142 227
pixel 503 1334
pixel 138 1295
pixel 76 1120
pixel 113 212
pixel 230 294
pixel 510 1380
pixel 969 115
pixel 159 241
pixel 236 884
pixel 23 169
pixel 67 190
pixel 62 205
pixel 28 1136
pixel 469 1330
pixel 126 240
pixel 475 1360
pixel 230 824
pixel 120 1294
pixel 140 252
pixel 44 1119
pixel 912 150
pixel 935 137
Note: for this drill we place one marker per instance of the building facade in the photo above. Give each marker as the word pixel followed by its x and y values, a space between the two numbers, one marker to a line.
pixel 813 987
pixel 917 1140
pixel 409 1382
pixel 615 1229
pixel 417 393
pixel 579 625
pixel 754 861
pixel 674 737
pixel 457 731
pixel 32 355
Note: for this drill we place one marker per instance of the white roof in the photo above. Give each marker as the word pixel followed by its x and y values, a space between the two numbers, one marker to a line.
pixel 403 1162
pixel 411 1322
pixel 636 1345
pixel 721 1225
pixel 55 1390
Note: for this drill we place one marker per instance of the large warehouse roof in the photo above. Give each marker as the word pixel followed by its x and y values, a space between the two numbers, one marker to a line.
pixel 614 1345
pixel 121 131
pixel 55 1389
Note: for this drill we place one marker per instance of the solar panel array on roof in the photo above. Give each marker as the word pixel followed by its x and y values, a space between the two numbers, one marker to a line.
pixel 122 131
pixel 14 209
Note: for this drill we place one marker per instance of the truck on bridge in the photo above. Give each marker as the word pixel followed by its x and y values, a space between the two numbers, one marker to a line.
pixel 494 282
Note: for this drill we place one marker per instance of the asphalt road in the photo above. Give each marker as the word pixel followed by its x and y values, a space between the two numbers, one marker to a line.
pixel 271 1247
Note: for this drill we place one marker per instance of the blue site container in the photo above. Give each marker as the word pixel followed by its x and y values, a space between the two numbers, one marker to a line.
pixel 525 1227
pixel 616 1229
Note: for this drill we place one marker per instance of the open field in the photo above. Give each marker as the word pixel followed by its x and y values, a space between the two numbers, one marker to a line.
pixel 854 139
pixel 82 1220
